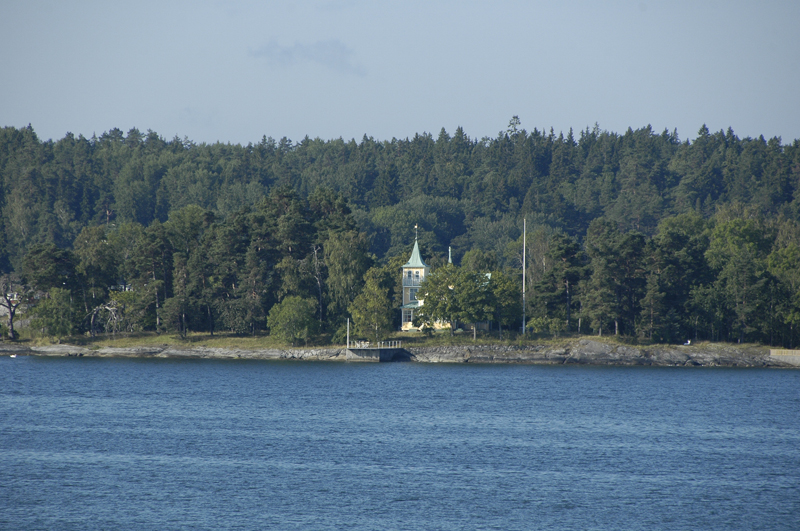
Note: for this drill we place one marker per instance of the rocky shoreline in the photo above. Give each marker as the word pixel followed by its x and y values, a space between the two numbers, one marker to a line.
pixel 591 352
pixel 579 351
pixel 177 352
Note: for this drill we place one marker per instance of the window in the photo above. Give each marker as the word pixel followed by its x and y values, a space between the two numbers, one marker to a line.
pixel 412 294
pixel 408 316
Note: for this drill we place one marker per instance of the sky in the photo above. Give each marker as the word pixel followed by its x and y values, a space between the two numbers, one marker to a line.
pixel 236 71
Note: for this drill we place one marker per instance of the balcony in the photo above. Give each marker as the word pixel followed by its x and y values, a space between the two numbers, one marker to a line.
pixel 412 282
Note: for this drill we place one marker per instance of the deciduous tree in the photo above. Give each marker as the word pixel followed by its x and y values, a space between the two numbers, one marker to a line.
pixel 372 308
pixel 292 319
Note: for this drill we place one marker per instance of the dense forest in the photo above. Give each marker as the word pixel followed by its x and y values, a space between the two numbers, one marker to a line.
pixel 639 234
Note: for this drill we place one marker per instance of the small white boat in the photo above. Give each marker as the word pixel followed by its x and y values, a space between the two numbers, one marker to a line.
pixel 13 356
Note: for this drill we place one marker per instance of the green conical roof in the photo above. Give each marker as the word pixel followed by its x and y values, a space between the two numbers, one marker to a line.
pixel 416 259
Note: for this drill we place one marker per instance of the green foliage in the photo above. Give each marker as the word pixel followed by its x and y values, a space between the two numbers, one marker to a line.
pixel 507 297
pixel 46 266
pixel 439 301
pixel 55 315
pixel 96 262
pixel 292 320
pixel 615 287
pixel 185 228
pixel 347 260
pixel 440 219
pixel 480 261
pixel 784 265
pixel 552 325
pixel 737 251
pixel 555 293
pixel 372 308
pixel 474 297
pixel 455 295
pixel 212 236
pixel 125 303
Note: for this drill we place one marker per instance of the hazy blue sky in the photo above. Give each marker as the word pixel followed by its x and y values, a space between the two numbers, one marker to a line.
pixel 235 71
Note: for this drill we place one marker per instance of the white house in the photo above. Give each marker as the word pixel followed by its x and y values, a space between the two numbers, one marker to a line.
pixel 414 272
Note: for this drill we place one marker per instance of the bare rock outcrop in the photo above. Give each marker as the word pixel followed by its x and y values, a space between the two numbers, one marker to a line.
pixel 595 352
pixel 172 351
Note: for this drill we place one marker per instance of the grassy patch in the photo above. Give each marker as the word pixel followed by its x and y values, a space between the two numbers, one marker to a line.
pixel 219 340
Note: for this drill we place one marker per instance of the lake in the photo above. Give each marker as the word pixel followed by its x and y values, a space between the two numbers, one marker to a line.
pixel 204 444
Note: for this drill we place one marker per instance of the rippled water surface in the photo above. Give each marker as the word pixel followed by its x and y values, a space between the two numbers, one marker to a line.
pixel 161 444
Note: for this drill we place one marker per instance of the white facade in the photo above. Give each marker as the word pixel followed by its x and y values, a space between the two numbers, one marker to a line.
pixel 414 272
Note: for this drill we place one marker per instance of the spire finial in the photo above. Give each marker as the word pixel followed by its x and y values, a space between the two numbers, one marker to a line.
pixel 416 234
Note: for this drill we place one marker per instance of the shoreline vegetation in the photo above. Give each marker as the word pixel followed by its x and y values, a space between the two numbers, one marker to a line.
pixel 585 350
pixel 636 234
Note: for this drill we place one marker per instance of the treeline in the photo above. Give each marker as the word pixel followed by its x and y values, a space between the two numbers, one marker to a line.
pixel 656 237
pixel 734 277
pixel 198 272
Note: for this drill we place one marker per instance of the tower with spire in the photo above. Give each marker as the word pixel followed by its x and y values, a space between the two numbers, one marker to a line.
pixel 414 272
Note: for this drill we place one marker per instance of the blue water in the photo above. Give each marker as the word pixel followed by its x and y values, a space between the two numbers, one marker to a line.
pixel 163 444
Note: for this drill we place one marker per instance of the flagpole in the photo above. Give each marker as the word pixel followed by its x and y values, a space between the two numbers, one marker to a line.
pixel 524 254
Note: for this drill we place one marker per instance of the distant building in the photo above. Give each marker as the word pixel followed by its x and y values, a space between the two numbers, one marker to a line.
pixel 414 272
